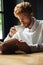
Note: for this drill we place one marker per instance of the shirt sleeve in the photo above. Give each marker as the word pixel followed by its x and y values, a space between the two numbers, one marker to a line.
pixel 15 36
pixel 38 47
pixel 7 38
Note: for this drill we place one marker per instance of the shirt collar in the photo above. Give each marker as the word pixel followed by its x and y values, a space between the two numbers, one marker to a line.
pixel 35 25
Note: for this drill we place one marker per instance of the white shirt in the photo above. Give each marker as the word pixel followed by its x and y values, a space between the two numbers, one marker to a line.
pixel 33 36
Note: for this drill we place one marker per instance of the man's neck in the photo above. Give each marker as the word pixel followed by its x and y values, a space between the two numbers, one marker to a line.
pixel 30 26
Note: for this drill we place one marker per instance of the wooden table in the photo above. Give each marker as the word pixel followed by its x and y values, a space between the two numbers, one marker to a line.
pixel 22 59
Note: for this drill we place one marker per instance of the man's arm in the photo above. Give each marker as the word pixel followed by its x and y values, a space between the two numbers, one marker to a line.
pixel 13 30
pixel 10 34
pixel 38 47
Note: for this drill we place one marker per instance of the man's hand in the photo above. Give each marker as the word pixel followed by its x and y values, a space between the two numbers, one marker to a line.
pixel 12 31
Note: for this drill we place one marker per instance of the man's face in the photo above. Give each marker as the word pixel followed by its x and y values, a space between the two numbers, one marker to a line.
pixel 25 20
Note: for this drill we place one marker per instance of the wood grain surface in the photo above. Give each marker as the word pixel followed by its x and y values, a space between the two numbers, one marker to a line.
pixel 22 59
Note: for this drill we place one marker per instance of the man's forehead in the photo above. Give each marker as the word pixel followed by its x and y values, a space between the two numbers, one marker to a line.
pixel 23 14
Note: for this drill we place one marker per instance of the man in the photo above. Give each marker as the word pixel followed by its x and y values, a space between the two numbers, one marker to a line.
pixel 30 38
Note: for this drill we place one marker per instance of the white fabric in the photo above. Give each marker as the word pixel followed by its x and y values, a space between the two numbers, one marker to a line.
pixel 19 28
pixel 7 38
pixel 33 36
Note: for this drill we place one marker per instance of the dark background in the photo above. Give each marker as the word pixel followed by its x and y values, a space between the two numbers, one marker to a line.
pixel 9 18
